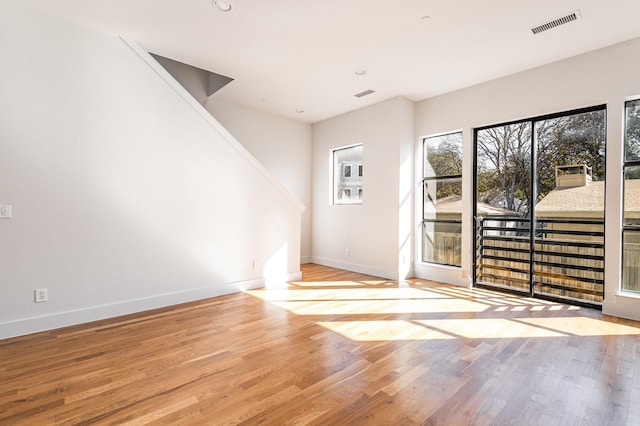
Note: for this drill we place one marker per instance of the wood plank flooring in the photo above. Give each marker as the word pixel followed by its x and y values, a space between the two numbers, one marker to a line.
pixel 337 348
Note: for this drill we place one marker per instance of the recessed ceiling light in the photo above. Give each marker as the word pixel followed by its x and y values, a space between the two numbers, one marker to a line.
pixel 221 5
pixel 300 111
pixel 361 71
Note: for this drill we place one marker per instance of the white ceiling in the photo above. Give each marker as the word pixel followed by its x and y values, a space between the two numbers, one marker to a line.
pixel 286 55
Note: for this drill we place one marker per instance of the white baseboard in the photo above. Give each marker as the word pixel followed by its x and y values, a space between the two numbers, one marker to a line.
pixel 31 325
pixel 622 305
pixel 354 267
pixel 443 274
pixel 294 276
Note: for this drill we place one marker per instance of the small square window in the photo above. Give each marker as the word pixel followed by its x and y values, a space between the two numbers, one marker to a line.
pixel 347 175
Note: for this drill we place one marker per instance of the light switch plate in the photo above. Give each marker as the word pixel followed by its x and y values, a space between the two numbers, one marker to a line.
pixel 5 211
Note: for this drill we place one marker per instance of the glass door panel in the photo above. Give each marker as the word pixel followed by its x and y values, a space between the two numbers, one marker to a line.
pixel 569 210
pixel 503 193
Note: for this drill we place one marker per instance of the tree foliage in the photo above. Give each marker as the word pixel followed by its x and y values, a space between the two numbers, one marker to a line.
pixel 444 155
pixel 564 141
pixel 504 156
pixel 632 131
pixel 504 166
pixel 444 158
pixel 632 139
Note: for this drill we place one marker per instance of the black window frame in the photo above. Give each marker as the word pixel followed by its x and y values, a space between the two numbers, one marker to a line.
pixel 436 179
pixel 627 228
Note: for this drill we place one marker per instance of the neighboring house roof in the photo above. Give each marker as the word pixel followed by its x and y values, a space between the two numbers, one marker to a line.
pixel 588 198
pixel 453 205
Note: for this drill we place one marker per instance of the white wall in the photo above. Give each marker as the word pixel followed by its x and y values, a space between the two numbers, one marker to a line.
pixel 607 76
pixel 377 232
pixel 281 145
pixel 127 195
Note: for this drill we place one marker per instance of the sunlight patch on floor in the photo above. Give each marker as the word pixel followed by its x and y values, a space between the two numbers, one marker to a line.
pixel 436 312
pixel 491 328
pixel 374 306
pixel 368 331
pixel 337 283
pixel 307 294
pixel 583 326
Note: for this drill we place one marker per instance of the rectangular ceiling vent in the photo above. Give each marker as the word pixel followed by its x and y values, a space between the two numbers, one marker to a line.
pixel 365 93
pixel 556 22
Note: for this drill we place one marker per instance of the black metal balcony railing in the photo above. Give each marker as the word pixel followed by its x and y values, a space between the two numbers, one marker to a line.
pixel 565 259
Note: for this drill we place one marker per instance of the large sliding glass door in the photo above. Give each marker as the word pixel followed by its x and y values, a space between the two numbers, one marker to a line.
pixel 539 209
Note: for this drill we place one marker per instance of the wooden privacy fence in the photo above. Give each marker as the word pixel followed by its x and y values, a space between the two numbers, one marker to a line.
pixel 442 242
pixel 631 266
pixel 565 261
pixel 443 248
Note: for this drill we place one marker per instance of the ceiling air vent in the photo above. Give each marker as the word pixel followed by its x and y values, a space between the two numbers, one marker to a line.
pixel 365 93
pixel 556 22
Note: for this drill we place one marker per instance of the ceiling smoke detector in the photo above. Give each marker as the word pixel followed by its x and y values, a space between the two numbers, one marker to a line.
pixel 574 16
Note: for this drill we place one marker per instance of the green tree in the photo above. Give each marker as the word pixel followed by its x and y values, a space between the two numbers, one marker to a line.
pixel 504 164
pixel 564 141
pixel 444 158
pixel 632 138
pixel 504 155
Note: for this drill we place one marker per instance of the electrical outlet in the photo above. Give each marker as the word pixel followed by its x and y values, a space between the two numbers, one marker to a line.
pixel 5 211
pixel 41 295
pixel 256 265
pixel 347 252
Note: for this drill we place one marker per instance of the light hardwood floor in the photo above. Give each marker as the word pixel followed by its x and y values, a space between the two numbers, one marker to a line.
pixel 338 348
